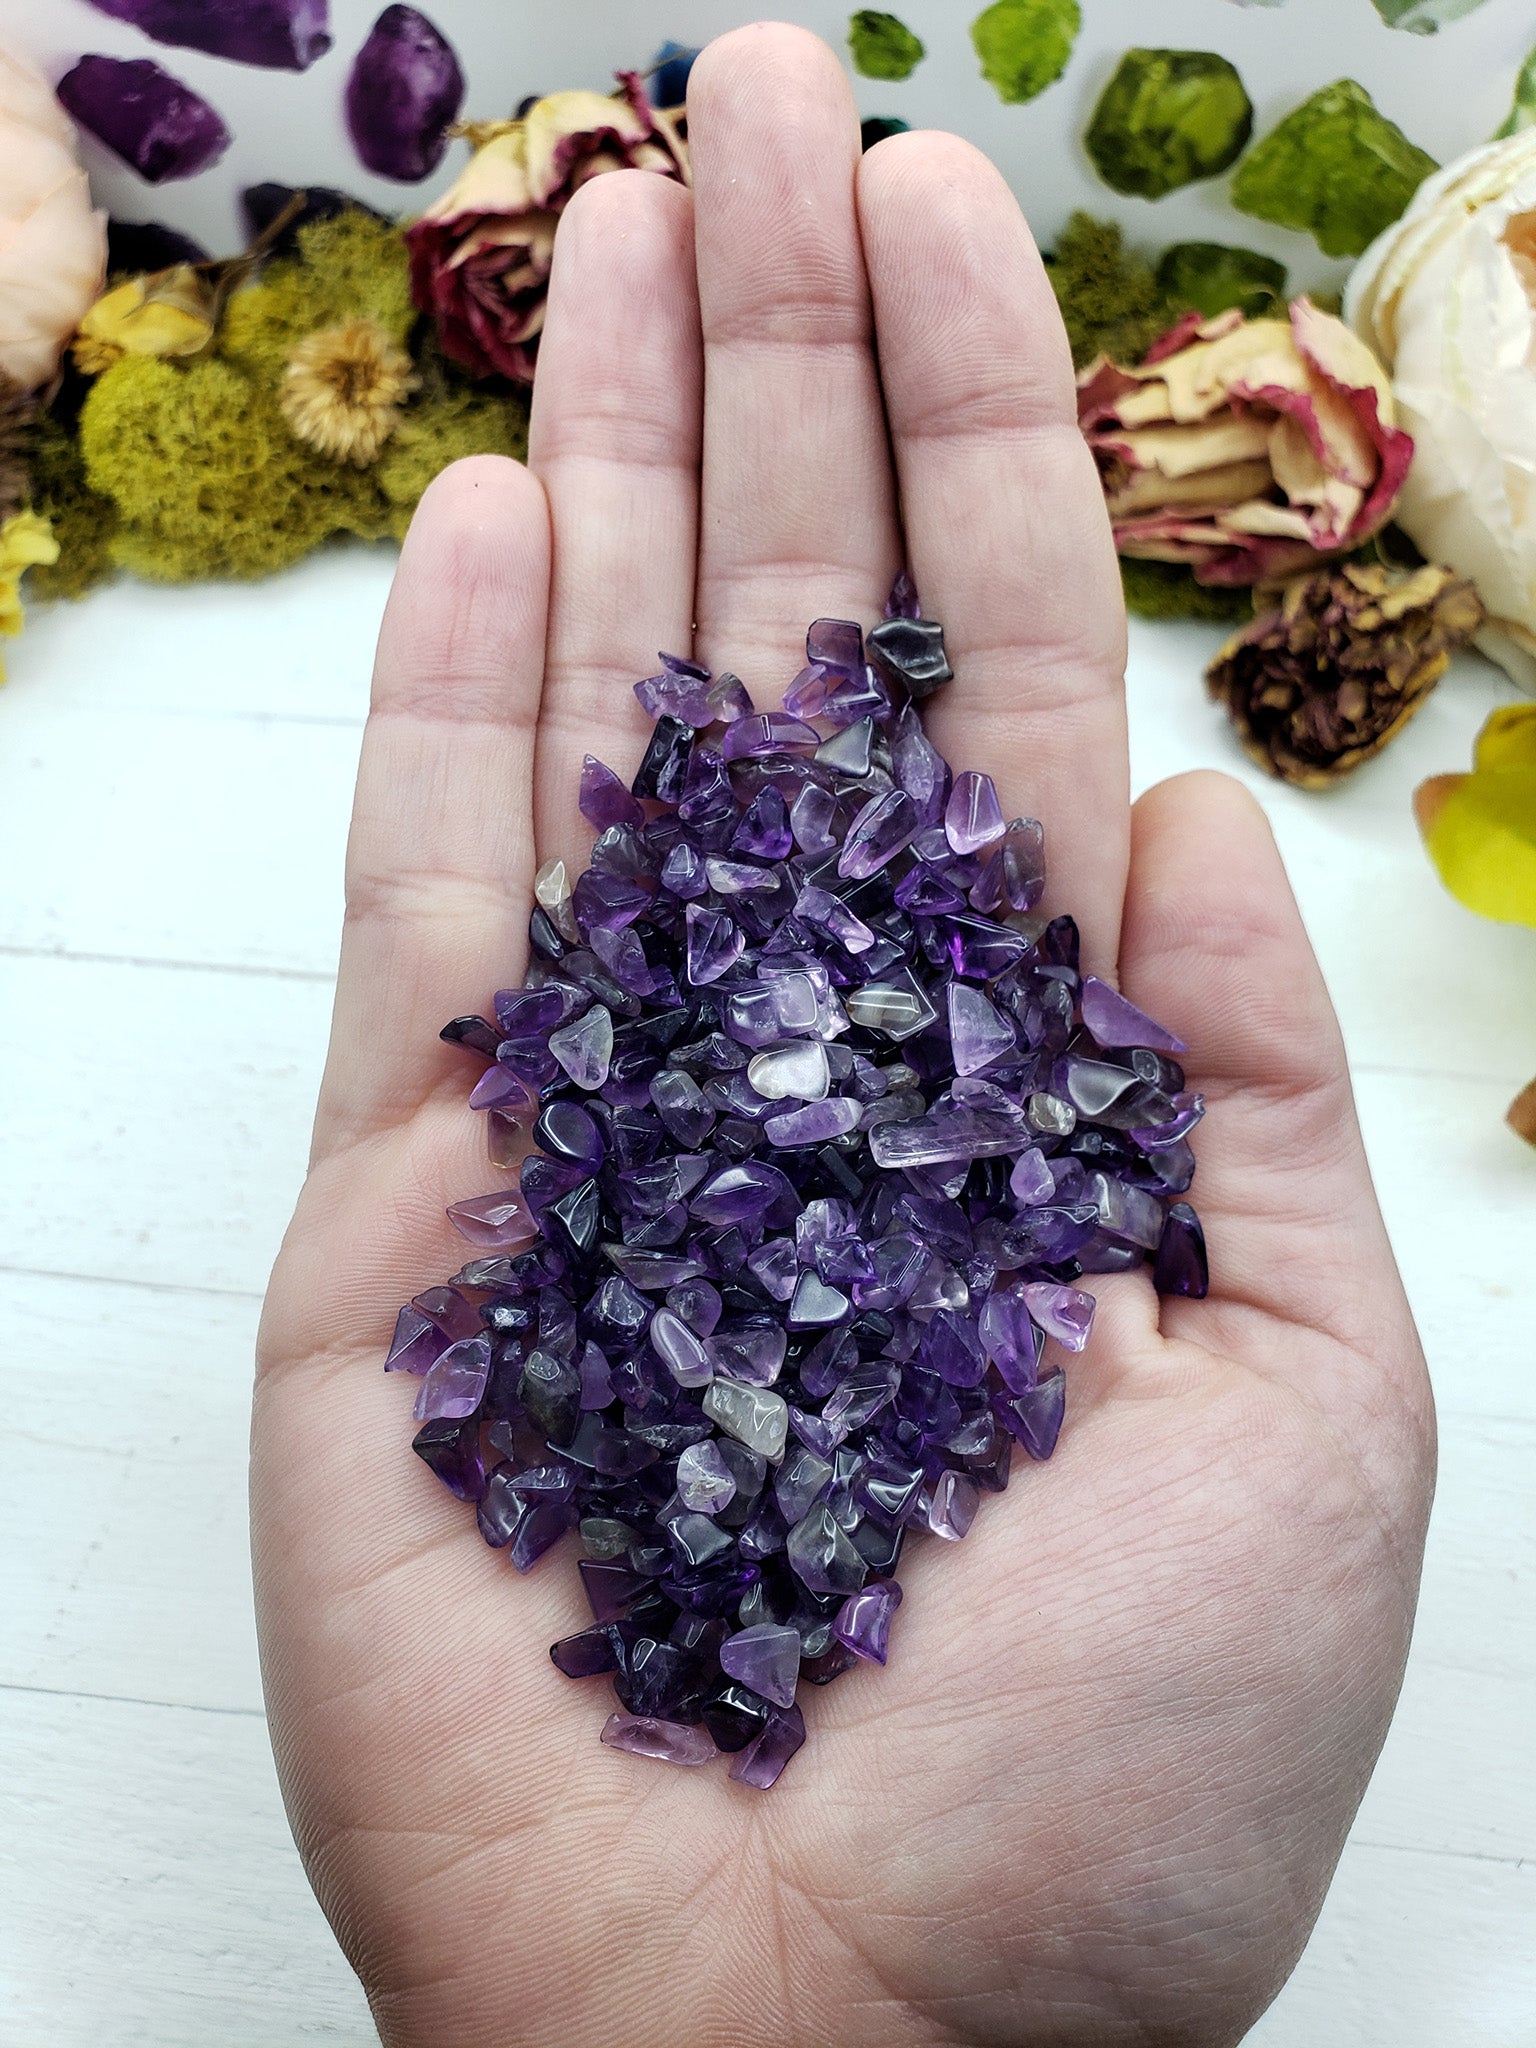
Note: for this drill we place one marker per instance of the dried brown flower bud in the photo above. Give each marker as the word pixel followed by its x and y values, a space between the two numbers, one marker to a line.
pixel 1339 661
pixel 342 389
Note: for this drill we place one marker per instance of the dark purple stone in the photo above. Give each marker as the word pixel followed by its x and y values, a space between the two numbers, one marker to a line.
pixel 155 123
pixel 404 91
pixel 1181 1266
pixel 279 35
pixel 761 1764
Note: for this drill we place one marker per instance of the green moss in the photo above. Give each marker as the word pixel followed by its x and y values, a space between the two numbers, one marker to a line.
pixel 1109 297
pixel 882 46
pixel 1213 277
pixel 1168 590
pixel 441 428
pixel 1024 45
pixel 348 265
pixel 1335 168
pixel 1168 118
pixel 206 476
pixel 83 521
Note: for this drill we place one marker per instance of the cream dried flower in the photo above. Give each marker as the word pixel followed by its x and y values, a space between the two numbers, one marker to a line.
pixel 342 390
pixel 53 246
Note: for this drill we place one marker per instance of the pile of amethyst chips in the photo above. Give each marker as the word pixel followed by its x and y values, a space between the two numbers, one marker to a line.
pixel 827 1124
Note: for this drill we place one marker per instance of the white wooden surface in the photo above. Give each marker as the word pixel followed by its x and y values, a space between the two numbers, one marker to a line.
pixel 176 772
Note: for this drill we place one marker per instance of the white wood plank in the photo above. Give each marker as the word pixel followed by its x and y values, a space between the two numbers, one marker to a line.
pixel 163 837
pixel 1458 1190
pixel 299 646
pixel 1415 1951
pixel 1419 983
pixel 157 1121
pixel 123 1527
pixel 154 1898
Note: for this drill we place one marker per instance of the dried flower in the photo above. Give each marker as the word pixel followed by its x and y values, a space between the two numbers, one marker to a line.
pixel 1480 832
pixel 26 541
pixel 1251 449
pixel 18 414
pixel 481 254
pixel 1323 680
pixel 53 248
pixel 343 388
pixel 170 313
pixel 1447 298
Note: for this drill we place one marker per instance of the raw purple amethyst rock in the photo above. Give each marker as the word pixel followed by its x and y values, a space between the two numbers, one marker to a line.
pixel 155 123
pixel 827 1127
pixel 279 35
pixel 404 91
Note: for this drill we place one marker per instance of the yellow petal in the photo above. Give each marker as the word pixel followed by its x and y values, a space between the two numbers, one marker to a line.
pixel 1484 843
pixel 1508 740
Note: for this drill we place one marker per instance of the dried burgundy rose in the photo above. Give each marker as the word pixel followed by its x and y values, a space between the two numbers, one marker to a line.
pixel 1340 663
pixel 1250 449
pixel 404 90
pixel 481 253
pixel 154 122
pixel 280 35
pixel 827 1127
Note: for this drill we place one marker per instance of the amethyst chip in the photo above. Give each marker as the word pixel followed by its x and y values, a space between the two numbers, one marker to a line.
pixel 827 1128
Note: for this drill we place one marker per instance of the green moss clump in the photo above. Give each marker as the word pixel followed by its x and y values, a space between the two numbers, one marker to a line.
pixel 1168 118
pixel 205 474
pixel 442 428
pixel 83 520
pixel 882 46
pixel 1024 45
pixel 1168 590
pixel 349 265
pixel 1335 168
pixel 199 472
pixel 1109 296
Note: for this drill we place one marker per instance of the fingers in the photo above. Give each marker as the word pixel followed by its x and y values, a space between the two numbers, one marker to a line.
pixel 440 856
pixel 615 439
pixel 799 505
pixel 1214 947
pixel 1006 531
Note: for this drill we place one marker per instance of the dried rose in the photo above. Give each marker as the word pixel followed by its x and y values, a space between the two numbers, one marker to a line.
pixel 53 248
pixel 1447 298
pixel 1252 449
pixel 481 254
pixel 1325 678
pixel 170 313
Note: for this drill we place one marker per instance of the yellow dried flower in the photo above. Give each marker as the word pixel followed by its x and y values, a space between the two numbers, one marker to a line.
pixel 342 389
pixel 26 542
pixel 169 313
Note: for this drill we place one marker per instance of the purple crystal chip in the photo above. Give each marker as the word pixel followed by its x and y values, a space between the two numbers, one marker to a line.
pixel 827 1130
pixel 404 92
pixel 279 35
pixel 154 122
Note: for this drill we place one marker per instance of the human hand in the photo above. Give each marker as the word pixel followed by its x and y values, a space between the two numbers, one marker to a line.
pixel 1099 1792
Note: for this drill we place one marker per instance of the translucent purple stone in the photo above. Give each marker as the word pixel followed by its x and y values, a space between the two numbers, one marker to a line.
pixel 155 123
pixel 827 1130
pixel 404 91
pixel 863 1621
pixel 668 1742
pixel 280 35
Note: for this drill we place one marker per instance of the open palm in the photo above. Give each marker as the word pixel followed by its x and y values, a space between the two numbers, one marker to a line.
pixel 1099 1791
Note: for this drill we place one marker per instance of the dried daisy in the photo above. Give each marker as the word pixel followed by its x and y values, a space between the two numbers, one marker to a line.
pixel 342 390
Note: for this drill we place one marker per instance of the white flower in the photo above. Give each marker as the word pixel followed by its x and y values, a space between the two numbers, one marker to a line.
pixel 53 248
pixel 1447 299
